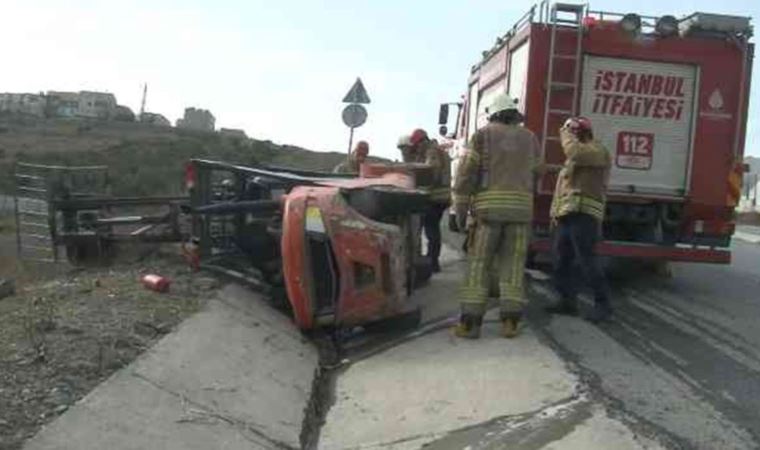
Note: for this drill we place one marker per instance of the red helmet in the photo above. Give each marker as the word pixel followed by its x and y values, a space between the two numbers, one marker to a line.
pixel 418 136
pixel 577 125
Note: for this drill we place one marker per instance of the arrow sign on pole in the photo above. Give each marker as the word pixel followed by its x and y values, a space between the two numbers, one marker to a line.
pixel 357 94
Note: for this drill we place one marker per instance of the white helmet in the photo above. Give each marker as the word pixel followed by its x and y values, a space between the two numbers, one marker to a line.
pixel 502 102
pixel 404 141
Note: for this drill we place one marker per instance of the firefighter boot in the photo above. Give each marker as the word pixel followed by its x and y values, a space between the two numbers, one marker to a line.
pixel 510 324
pixel 469 326
pixel 565 307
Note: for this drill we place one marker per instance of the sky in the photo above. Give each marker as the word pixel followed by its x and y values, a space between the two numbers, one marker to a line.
pixel 279 69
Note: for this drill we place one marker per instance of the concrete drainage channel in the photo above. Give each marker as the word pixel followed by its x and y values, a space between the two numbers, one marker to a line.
pixel 322 391
pixel 239 375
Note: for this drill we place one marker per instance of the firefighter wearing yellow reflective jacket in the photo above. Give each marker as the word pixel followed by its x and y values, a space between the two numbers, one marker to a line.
pixel 578 211
pixel 495 182
pixel 419 148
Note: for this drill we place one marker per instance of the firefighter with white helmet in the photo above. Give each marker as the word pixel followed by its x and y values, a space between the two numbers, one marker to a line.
pixel 404 145
pixel 578 211
pixel 495 182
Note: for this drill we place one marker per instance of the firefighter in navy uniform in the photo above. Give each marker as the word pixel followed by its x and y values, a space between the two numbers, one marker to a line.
pixel 419 148
pixel 578 211
pixel 495 182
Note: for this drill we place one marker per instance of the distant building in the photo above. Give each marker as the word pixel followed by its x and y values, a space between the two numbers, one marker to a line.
pixel 197 119
pixel 155 119
pixel 96 105
pixel 233 132
pixel 62 104
pixel 29 104
pixel 87 104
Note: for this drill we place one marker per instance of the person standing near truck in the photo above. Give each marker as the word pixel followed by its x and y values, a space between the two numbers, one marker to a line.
pixel 354 162
pixel 419 148
pixel 495 181
pixel 577 212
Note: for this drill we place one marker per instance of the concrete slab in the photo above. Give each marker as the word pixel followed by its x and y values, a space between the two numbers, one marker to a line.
pixel 745 236
pixel 238 371
pixel 438 383
pixel 129 413
pixel 602 432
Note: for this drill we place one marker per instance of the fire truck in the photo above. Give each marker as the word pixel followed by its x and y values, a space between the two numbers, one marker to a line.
pixel 668 98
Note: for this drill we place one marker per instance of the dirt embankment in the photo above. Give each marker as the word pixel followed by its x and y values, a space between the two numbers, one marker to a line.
pixel 143 159
pixel 62 337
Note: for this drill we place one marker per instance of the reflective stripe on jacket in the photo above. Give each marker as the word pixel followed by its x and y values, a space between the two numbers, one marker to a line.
pixel 438 159
pixel 496 175
pixel 582 182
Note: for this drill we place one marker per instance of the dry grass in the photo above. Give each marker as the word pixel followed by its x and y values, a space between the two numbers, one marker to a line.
pixel 61 338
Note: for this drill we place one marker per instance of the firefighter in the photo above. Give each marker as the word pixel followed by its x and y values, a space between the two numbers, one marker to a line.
pixel 405 147
pixel 355 160
pixel 577 211
pixel 495 182
pixel 419 148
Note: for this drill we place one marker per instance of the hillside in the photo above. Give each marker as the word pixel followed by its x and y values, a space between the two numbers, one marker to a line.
pixel 143 159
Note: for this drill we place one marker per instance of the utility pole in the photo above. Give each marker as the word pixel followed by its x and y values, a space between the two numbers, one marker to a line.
pixel 144 96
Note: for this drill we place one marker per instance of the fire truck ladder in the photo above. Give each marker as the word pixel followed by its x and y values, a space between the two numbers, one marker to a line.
pixel 552 85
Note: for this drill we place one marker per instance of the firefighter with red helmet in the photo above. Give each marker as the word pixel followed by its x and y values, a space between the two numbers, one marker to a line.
pixel 495 182
pixel 355 160
pixel 578 211
pixel 419 148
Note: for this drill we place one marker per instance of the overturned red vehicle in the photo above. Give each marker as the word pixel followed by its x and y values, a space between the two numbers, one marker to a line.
pixel 337 251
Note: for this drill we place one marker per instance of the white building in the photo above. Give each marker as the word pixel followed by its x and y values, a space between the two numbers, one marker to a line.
pixel 30 104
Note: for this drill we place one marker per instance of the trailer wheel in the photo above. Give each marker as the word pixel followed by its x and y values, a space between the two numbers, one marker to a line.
pixel 86 252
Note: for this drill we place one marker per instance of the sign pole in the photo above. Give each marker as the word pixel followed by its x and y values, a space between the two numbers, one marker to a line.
pixel 350 142
pixel 354 114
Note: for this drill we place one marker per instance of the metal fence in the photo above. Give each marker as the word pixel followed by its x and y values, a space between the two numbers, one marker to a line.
pixel 36 186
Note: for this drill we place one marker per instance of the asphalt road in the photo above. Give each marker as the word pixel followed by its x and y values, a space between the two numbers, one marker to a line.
pixel 682 356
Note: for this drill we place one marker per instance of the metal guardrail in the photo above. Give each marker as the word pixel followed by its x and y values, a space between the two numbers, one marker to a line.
pixel 37 186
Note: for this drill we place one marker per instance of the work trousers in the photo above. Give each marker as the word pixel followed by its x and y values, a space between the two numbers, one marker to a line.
pixel 496 249
pixel 431 222
pixel 575 238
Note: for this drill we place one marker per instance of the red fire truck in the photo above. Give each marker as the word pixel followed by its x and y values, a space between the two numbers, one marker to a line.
pixel 668 98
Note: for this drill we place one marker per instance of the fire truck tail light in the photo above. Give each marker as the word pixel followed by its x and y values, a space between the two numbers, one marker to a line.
pixel 190 176
pixel 666 26
pixel 631 23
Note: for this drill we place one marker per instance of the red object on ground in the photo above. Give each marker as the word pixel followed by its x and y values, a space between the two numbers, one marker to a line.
pixel 156 282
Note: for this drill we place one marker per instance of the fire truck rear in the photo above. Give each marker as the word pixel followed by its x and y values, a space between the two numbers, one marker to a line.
pixel 667 97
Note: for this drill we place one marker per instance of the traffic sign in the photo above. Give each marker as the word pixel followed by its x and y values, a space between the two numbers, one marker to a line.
pixel 357 93
pixel 354 115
